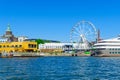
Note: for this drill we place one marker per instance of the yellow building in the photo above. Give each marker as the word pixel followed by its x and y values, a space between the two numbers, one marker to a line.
pixel 26 46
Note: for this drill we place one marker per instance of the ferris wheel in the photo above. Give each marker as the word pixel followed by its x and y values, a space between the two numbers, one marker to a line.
pixel 82 34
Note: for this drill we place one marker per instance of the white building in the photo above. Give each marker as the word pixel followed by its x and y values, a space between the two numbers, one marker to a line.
pixel 63 46
pixel 22 38
pixel 54 45
pixel 3 39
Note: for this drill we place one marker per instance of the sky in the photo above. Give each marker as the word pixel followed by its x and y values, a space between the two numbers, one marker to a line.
pixel 54 19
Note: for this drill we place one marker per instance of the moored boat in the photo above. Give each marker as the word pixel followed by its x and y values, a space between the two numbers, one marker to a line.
pixel 107 48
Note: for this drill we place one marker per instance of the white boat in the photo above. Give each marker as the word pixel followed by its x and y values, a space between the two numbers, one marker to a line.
pixel 108 47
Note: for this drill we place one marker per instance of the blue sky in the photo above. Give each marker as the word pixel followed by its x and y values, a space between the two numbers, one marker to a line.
pixel 53 19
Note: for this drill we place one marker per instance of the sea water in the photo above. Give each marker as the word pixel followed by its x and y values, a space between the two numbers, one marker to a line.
pixel 60 68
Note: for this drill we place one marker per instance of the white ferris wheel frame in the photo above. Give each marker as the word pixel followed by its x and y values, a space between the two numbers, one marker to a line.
pixel 82 34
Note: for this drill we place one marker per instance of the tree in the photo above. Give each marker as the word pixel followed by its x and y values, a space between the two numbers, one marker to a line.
pixel 39 41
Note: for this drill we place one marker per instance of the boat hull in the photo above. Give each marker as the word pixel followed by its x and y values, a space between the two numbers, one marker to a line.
pixel 107 53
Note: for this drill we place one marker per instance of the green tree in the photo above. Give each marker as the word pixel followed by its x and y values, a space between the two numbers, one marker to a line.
pixel 39 41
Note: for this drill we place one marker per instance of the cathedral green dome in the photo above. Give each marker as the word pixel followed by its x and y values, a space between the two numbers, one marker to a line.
pixel 8 28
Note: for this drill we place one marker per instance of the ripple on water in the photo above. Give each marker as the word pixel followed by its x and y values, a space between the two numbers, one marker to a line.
pixel 60 68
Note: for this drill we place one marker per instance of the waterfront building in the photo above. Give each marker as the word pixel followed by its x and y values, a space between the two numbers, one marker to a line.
pixel 3 39
pixel 8 36
pixel 55 47
pixel 18 46
pixel 64 47
pixel 22 38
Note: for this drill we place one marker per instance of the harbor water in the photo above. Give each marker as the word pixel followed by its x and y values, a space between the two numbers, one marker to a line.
pixel 60 68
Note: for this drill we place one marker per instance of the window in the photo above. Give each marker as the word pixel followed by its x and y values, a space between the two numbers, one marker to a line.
pixel 20 45
pixel 7 45
pixel 29 45
pixel 33 46
pixel 16 46
pixel 3 45
pixel 12 46
pixel 20 40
